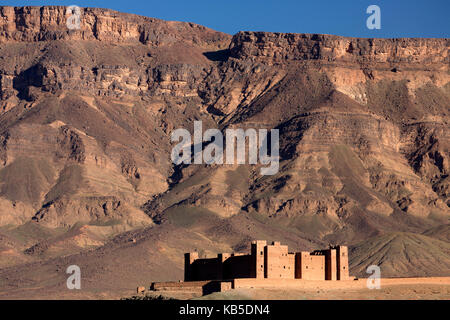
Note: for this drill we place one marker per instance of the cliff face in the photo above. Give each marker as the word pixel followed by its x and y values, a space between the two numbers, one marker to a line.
pixel 279 47
pixel 86 117
pixel 75 59
pixel 49 23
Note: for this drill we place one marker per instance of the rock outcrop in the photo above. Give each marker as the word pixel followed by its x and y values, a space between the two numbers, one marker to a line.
pixel 279 47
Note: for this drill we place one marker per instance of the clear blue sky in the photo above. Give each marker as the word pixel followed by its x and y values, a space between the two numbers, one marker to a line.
pixel 399 18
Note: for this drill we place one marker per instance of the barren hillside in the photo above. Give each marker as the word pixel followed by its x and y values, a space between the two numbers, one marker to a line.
pixel 85 171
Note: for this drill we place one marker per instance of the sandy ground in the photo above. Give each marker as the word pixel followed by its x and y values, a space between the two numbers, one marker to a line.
pixel 401 288
pixel 436 288
pixel 390 289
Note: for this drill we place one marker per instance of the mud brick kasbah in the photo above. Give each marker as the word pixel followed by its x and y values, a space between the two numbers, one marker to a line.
pixel 266 266
pixel 270 262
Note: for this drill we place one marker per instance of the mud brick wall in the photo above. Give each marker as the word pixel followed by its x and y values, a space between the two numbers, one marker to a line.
pixel 278 262
pixel 196 269
pixel 309 267
pixel 342 263
pixel 330 264
pixel 257 252
pixel 238 266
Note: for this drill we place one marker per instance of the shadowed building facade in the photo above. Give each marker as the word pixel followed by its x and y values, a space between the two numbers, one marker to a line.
pixel 270 262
